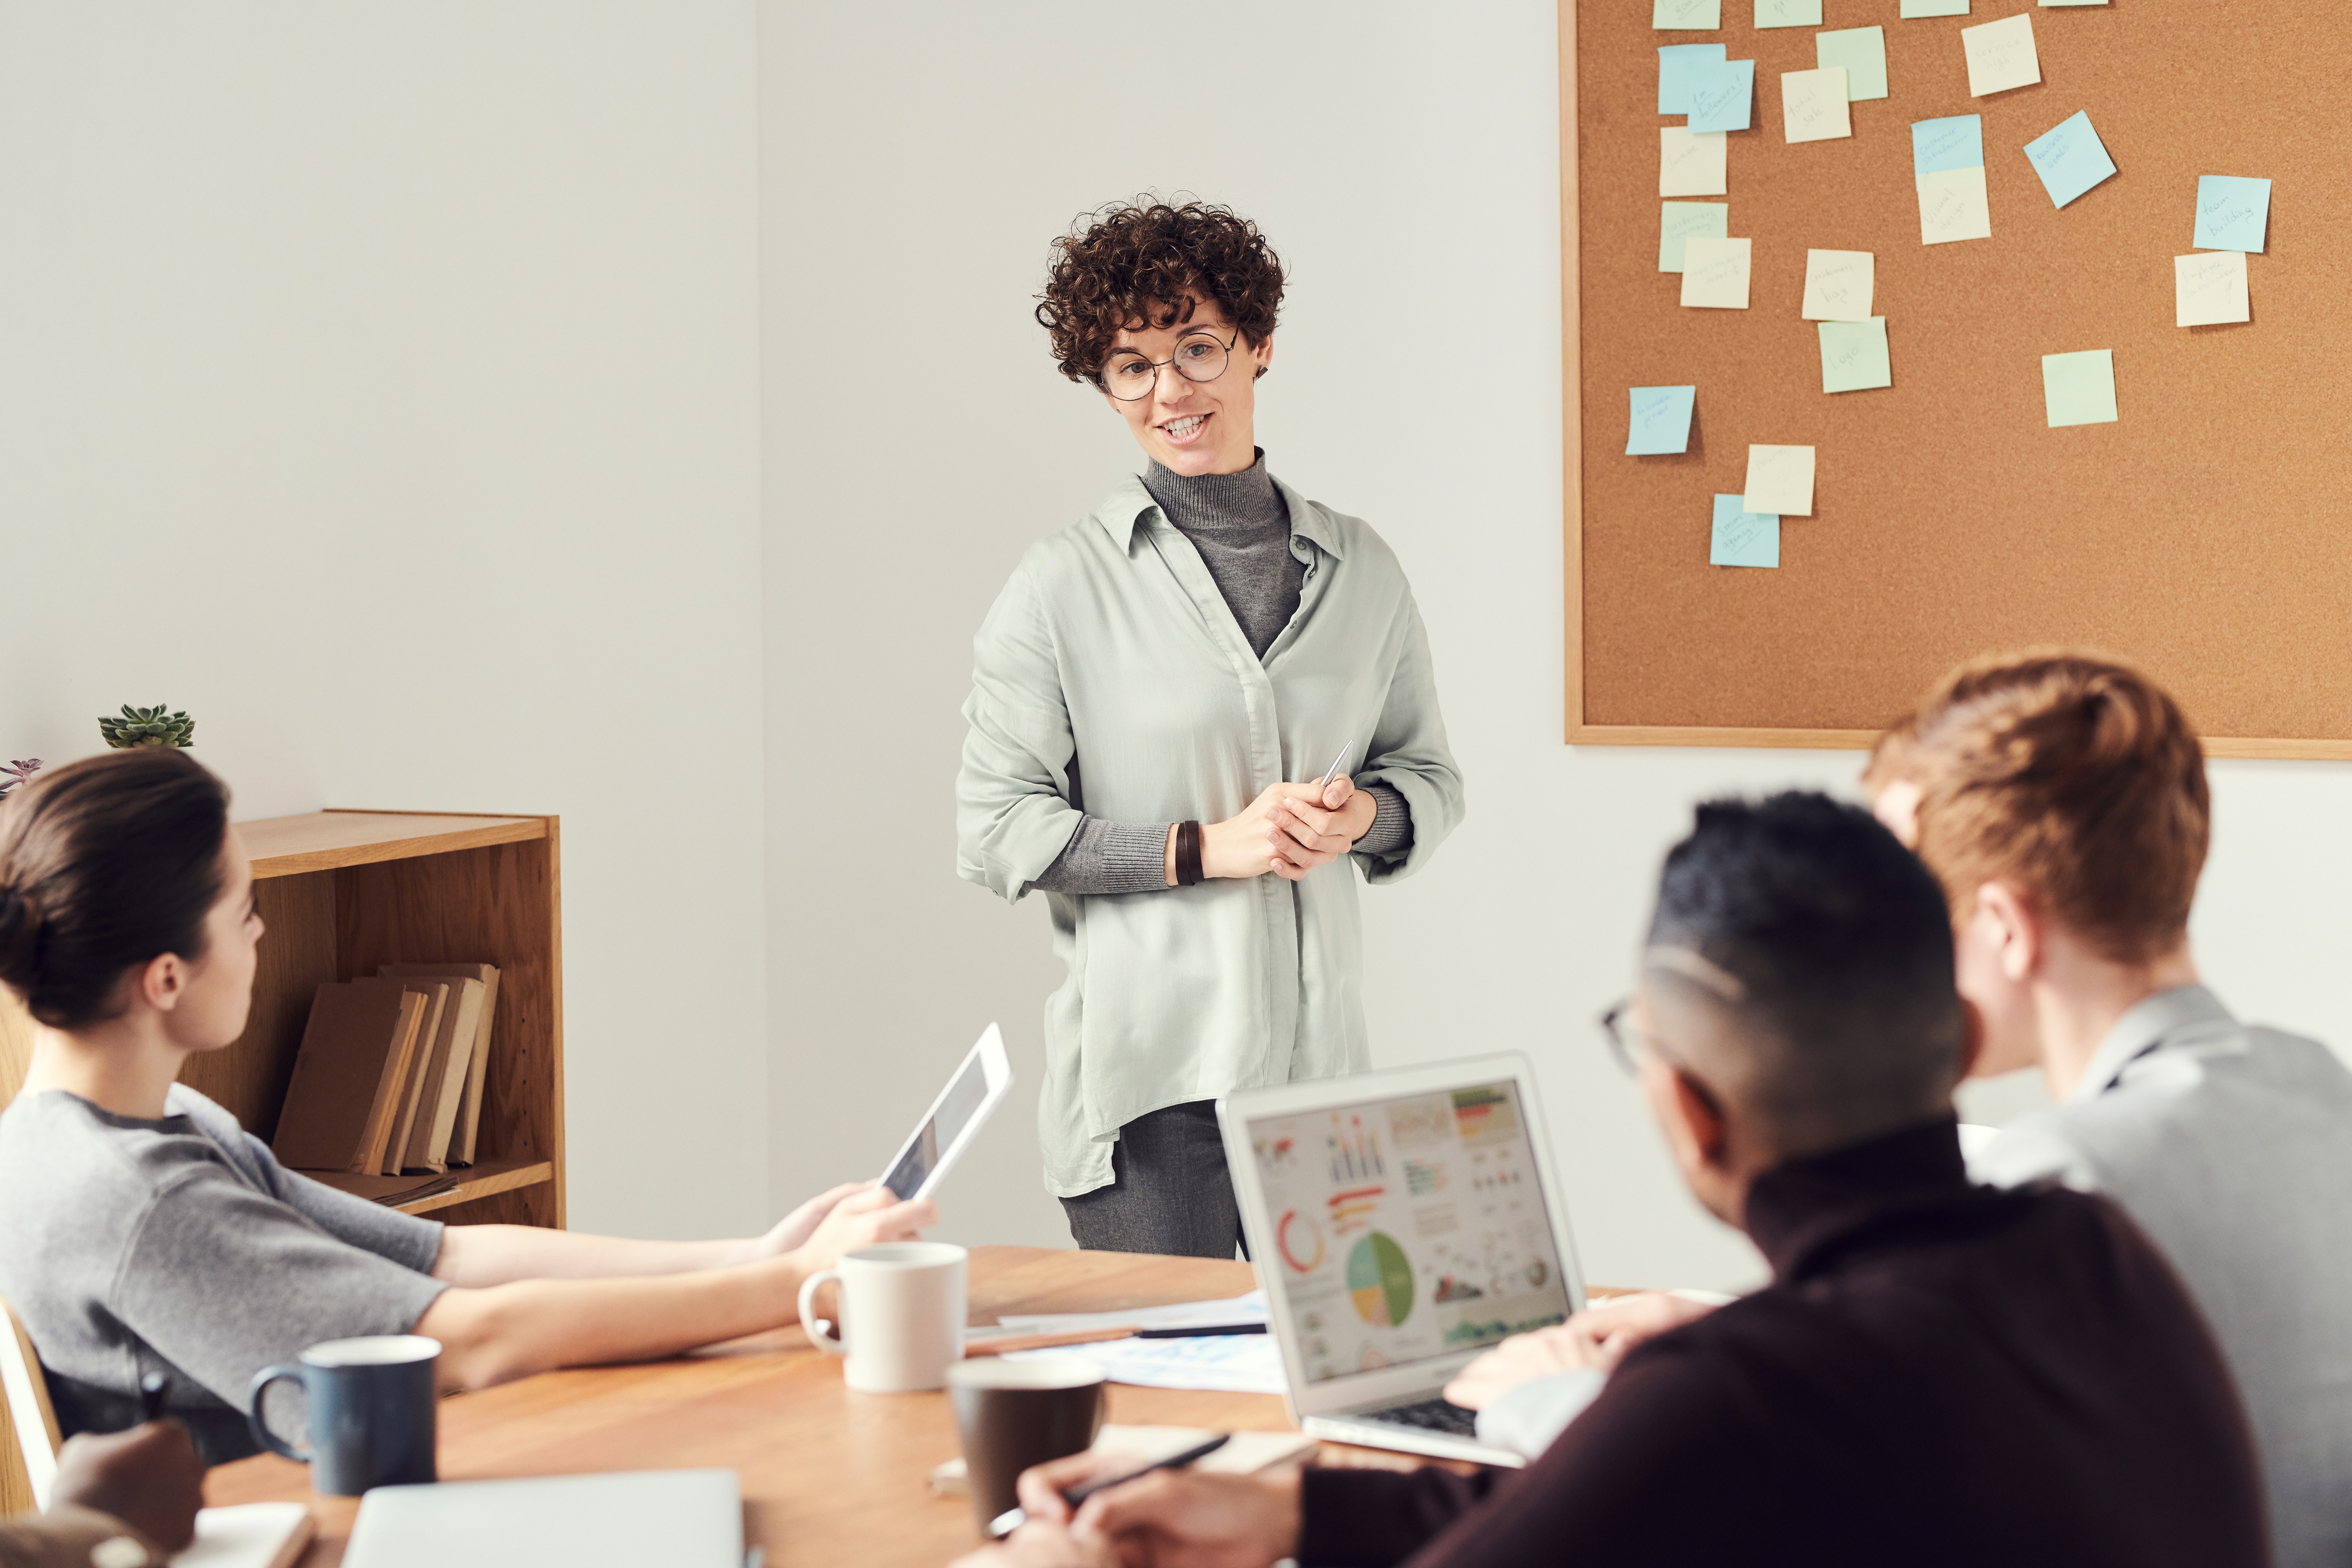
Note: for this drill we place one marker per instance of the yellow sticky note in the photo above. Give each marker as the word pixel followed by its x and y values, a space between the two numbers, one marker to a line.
pixel 1812 105
pixel 2210 288
pixel 1690 162
pixel 1715 273
pixel 2000 55
pixel 1839 284
pixel 1952 207
pixel 1779 480
pixel 1687 14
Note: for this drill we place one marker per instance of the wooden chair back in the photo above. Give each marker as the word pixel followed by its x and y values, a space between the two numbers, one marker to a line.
pixel 32 1468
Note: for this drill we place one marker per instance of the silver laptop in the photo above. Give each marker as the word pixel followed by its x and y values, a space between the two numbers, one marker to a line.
pixel 678 1519
pixel 1402 1221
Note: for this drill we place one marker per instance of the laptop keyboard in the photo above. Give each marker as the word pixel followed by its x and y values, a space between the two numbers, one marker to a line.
pixel 1429 1416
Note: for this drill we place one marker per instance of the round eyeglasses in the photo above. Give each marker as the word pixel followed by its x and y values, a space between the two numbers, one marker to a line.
pixel 1128 375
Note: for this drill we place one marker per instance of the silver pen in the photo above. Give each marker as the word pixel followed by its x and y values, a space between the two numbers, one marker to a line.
pixel 1332 772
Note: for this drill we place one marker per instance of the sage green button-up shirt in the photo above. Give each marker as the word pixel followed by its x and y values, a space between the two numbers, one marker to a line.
pixel 1110 678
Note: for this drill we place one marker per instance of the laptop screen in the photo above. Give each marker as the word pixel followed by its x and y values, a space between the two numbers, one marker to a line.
pixel 1409 1229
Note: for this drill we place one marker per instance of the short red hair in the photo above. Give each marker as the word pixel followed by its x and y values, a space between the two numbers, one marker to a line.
pixel 2071 776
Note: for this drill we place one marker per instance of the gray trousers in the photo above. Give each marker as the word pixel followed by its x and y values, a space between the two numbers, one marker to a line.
pixel 1169 1189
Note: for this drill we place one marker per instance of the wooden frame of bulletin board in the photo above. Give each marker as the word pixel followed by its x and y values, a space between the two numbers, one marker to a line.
pixel 2206 534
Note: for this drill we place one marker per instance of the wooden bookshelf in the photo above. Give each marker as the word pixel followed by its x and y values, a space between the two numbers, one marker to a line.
pixel 343 891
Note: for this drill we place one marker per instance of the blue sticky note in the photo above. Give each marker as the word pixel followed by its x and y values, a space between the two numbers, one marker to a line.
pixel 1743 537
pixel 1675 62
pixel 2070 158
pixel 1938 145
pixel 1662 417
pixel 2231 213
pixel 1720 95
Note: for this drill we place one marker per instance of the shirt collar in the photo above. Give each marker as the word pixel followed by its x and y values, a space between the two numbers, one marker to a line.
pixel 2149 1025
pixel 1805 1214
pixel 1128 501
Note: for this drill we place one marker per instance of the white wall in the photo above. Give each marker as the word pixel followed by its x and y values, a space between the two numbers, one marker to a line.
pixel 379 383
pixel 1404 158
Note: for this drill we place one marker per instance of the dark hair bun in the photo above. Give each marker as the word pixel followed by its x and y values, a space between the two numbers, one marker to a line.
pixel 20 939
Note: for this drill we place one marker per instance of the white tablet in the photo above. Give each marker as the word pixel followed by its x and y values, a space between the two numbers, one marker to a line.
pixel 953 1120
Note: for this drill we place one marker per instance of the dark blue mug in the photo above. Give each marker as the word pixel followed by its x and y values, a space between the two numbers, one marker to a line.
pixel 371 1412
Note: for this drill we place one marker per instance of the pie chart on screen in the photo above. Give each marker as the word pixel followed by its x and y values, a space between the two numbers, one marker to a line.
pixel 1379 1280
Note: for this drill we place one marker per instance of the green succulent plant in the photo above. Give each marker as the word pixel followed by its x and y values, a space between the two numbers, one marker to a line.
pixel 155 726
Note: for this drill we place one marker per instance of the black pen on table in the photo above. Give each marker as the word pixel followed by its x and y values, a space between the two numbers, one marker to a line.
pixel 155 1387
pixel 1012 1518
pixel 1205 1332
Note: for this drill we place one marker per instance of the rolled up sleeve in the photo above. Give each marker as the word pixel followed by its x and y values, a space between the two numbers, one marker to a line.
pixel 1409 754
pixel 1014 810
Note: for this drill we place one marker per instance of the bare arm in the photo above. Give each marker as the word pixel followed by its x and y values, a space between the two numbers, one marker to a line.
pixel 479 1256
pixel 495 1333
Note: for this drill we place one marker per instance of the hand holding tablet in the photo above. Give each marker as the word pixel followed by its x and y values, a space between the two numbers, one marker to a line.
pixel 953 1120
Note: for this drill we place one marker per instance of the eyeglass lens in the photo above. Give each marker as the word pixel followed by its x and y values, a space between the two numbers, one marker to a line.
pixel 1129 375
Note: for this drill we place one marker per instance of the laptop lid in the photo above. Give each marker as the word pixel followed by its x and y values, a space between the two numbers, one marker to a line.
pixel 678 1519
pixel 1404 1221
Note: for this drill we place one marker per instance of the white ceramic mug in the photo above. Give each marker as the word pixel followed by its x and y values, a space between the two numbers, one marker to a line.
pixel 900 1322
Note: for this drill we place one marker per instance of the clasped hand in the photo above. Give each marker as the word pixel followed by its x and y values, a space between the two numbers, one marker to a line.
pixel 1289 830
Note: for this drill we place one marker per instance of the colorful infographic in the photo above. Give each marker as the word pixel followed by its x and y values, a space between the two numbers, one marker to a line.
pixel 1409 1229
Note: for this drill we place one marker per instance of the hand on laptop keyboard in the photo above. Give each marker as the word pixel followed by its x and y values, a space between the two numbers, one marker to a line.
pixel 1431 1416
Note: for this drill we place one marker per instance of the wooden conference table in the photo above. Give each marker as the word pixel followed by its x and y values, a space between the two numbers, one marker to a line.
pixel 828 1476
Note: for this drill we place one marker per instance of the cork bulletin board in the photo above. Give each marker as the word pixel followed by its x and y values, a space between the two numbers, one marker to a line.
pixel 2207 533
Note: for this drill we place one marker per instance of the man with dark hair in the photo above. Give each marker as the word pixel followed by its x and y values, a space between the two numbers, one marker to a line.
pixel 1937 1374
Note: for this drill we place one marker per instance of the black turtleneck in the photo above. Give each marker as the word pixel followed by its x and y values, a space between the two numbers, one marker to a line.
pixel 1938 1375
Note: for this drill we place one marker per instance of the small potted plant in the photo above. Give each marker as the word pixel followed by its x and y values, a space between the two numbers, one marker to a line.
pixel 156 726
pixel 18 773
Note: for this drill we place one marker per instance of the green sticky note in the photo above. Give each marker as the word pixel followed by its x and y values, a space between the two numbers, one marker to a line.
pixel 2074 1
pixel 1787 12
pixel 2079 388
pixel 1853 356
pixel 1935 7
pixel 1679 221
pixel 1862 52
pixel 1686 16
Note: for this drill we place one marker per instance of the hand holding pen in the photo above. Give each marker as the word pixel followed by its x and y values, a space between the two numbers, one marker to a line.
pixel 1308 829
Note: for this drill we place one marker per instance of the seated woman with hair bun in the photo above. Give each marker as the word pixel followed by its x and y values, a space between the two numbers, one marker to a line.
pixel 143 1231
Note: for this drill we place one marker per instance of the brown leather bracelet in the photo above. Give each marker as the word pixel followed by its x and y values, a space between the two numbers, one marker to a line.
pixel 1188 854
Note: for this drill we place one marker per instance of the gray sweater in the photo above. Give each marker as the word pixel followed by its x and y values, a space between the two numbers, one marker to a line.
pixel 1239 526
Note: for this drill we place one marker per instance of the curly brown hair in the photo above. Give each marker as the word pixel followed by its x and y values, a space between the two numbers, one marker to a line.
pixel 1133 264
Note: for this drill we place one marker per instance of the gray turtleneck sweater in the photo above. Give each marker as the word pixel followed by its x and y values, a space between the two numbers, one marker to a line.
pixel 1241 529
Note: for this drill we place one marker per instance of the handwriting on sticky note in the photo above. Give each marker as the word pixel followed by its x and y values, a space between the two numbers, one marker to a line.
pixel 1787 12
pixel 1952 207
pixel 2000 55
pixel 1679 221
pixel 1779 480
pixel 1690 164
pixel 1812 105
pixel 1838 285
pixel 1956 142
pixel 2232 213
pixel 1854 356
pixel 1721 95
pixel 1935 8
pixel 2209 289
pixel 1661 420
pixel 1715 273
pixel 1686 16
pixel 2070 158
pixel 1742 538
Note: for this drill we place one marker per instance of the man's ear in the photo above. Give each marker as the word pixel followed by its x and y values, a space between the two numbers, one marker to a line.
pixel 1263 353
pixel 1702 1117
pixel 2013 923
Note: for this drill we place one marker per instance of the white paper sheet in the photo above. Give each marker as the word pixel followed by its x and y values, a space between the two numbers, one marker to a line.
pixel 1231 1364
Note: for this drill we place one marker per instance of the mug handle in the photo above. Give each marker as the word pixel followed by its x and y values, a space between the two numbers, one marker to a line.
pixel 262 1434
pixel 829 1342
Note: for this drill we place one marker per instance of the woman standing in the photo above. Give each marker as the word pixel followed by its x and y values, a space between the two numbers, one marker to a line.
pixel 1156 694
